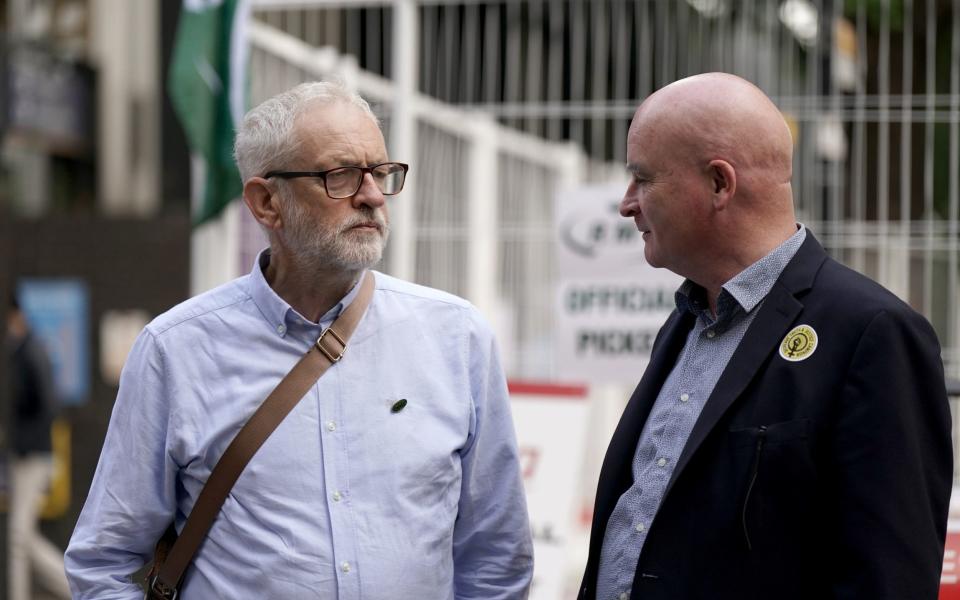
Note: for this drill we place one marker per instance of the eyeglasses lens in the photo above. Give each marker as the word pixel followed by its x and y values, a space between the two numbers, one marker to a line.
pixel 344 182
pixel 389 178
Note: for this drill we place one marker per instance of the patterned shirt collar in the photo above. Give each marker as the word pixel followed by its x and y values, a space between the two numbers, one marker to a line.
pixel 746 290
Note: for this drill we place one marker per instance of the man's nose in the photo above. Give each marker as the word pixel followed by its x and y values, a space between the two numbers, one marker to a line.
pixel 368 194
pixel 629 205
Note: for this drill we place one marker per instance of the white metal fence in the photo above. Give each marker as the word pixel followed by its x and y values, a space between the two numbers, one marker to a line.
pixel 870 87
pixel 479 195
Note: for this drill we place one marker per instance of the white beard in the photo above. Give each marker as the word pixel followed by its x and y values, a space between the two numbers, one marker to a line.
pixel 324 245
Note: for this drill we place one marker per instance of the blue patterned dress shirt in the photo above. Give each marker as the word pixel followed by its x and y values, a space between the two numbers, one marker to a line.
pixel 708 349
pixel 347 499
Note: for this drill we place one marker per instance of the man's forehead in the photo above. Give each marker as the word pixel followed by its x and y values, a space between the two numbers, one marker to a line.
pixel 648 118
pixel 335 116
pixel 332 126
pixel 638 138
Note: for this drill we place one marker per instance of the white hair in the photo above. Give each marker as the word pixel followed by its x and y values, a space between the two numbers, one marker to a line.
pixel 266 139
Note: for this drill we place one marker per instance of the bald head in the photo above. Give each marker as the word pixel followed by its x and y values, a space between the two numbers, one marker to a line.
pixel 717 115
pixel 711 162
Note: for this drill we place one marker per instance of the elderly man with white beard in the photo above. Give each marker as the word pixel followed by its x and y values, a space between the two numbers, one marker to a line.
pixel 394 476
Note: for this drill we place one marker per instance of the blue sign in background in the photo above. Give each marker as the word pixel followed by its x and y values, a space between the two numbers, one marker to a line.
pixel 58 310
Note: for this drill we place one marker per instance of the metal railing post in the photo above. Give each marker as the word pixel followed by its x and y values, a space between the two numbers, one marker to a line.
pixel 403 129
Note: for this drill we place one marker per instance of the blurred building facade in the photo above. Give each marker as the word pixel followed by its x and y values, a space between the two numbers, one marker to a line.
pixel 85 193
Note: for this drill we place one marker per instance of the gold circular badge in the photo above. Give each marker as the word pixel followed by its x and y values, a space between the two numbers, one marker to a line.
pixel 799 344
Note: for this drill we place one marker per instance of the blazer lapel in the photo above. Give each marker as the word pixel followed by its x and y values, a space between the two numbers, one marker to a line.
pixel 778 311
pixel 616 474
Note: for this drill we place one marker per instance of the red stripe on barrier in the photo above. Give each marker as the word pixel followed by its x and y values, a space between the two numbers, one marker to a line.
pixel 567 391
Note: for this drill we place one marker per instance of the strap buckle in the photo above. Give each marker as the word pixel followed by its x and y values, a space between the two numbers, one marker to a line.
pixel 158 590
pixel 332 353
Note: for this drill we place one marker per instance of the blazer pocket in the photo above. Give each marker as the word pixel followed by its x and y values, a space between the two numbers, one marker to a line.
pixel 763 439
pixel 772 433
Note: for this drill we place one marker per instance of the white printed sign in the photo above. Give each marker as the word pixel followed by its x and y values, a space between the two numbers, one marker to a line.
pixel 610 302
pixel 551 423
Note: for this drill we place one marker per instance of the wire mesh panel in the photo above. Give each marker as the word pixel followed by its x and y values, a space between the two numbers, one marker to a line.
pixel 441 254
pixel 527 267
pixel 870 88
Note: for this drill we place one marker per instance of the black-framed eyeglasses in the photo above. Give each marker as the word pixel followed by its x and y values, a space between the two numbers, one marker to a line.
pixel 343 182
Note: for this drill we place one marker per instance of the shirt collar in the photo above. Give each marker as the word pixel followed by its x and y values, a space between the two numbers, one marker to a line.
pixel 276 310
pixel 746 289
pixel 751 286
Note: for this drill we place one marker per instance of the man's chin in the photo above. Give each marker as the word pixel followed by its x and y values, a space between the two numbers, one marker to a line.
pixel 651 257
pixel 355 259
pixel 362 258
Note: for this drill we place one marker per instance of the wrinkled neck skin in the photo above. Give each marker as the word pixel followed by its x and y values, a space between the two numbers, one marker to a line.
pixel 311 290
pixel 749 244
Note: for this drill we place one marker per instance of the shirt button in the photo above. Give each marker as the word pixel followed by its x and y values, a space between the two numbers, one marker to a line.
pixel 624 596
pixel 684 397
pixel 331 426
pixel 345 567
pixel 639 527
pixel 336 498
pixel 662 462
pixel 281 329
pixel 711 334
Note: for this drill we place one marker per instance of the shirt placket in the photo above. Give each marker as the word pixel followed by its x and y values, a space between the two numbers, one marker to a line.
pixel 334 429
pixel 675 416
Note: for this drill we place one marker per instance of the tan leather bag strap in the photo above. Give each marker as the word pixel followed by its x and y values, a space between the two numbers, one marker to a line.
pixel 327 350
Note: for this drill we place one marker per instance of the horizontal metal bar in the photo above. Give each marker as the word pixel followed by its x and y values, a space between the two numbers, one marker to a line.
pixel 322 61
pixel 807 108
pixel 304 4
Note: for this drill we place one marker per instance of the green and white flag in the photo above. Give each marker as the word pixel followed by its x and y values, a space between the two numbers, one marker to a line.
pixel 207 86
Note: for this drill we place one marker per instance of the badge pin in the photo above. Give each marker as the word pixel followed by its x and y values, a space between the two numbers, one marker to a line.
pixel 799 343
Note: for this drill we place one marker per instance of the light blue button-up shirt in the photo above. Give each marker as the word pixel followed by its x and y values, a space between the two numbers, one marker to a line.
pixel 348 498
pixel 709 347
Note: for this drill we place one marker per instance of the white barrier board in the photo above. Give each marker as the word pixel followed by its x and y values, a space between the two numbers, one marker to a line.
pixel 551 423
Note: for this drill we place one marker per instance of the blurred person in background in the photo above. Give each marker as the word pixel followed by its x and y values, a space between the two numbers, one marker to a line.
pixel 791 436
pixel 33 395
pixel 396 476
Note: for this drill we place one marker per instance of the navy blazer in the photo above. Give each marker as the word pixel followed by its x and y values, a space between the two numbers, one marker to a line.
pixel 827 477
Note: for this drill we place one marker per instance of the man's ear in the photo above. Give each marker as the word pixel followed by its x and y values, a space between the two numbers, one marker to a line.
pixel 723 181
pixel 264 202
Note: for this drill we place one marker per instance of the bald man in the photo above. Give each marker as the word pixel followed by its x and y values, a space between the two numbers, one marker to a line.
pixel 790 438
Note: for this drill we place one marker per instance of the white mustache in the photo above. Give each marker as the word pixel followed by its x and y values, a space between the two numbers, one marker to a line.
pixel 372 218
